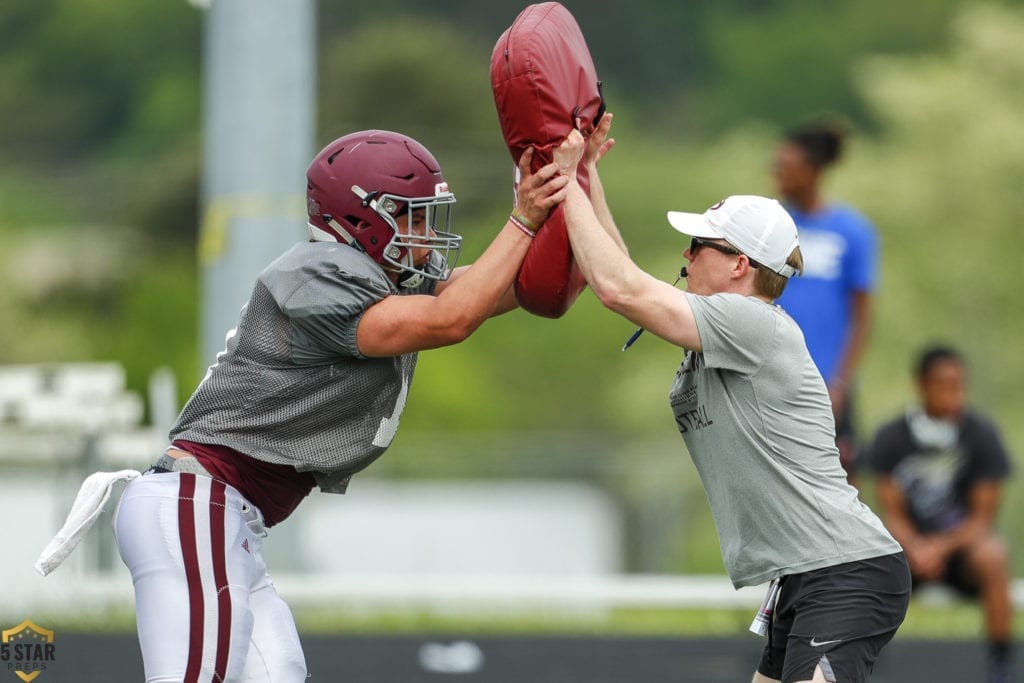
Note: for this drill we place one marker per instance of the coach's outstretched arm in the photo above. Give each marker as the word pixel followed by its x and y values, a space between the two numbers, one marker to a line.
pixel 598 144
pixel 619 284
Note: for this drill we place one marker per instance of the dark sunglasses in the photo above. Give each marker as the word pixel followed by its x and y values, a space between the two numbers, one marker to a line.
pixel 697 243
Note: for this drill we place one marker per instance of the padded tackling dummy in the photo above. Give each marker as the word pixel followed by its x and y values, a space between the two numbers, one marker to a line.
pixel 543 77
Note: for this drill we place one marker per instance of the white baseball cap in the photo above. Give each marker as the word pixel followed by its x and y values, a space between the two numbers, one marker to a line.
pixel 757 226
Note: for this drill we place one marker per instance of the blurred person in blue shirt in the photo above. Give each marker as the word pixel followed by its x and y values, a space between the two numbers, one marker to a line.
pixel 832 301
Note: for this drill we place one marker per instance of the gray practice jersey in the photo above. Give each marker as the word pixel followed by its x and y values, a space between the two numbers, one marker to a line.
pixel 291 386
pixel 755 415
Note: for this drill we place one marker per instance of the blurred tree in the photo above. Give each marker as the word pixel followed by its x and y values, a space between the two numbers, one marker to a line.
pixel 699 68
pixel 944 182
pixel 425 79
pixel 100 99
pixel 641 46
pixel 80 75
pixel 100 111
pixel 785 61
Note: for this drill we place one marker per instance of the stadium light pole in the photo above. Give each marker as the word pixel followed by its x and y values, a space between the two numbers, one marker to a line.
pixel 258 74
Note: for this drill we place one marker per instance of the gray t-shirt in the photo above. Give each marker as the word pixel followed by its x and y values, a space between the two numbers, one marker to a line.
pixel 755 415
pixel 291 387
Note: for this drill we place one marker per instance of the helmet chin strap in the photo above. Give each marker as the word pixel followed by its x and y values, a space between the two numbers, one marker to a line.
pixel 320 235
pixel 407 279
pixel 410 280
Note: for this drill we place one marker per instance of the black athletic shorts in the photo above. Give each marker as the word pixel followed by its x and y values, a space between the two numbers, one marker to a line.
pixel 839 617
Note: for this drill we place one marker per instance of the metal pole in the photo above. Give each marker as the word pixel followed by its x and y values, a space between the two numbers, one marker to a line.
pixel 259 72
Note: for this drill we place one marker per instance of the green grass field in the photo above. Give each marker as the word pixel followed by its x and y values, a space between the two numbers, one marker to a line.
pixel 957 621
pixel 952 621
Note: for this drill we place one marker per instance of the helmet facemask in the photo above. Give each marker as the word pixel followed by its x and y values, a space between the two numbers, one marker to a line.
pixel 418 224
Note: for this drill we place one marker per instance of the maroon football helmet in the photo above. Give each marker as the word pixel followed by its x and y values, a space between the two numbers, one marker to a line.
pixel 360 185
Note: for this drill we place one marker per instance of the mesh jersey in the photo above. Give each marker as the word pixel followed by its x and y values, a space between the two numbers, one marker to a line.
pixel 291 387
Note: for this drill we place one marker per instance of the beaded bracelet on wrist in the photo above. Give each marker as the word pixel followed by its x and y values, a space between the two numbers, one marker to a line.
pixel 523 223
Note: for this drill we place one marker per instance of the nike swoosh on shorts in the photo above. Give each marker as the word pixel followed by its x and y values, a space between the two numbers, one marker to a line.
pixel 820 643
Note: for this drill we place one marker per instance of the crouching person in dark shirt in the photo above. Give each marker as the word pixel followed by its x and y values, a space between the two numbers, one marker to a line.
pixel 940 470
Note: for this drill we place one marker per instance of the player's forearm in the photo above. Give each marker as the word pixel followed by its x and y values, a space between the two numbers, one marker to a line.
pixel 506 302
pixel 485 288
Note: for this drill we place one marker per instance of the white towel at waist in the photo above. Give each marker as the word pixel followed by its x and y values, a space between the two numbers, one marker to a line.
pixel 92 496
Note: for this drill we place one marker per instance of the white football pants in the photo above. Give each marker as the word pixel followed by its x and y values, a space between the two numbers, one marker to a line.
pixel 206 609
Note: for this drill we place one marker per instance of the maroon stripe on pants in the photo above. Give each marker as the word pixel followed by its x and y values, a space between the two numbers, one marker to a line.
pixel 187 534
pixel 220 578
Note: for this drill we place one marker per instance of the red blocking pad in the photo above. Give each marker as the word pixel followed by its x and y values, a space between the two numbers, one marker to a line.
pixel 543 77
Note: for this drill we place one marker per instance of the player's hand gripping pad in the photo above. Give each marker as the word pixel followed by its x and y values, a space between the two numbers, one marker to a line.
pixel 543 77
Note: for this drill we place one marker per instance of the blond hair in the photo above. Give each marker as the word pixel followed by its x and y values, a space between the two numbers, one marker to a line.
pixel 768 283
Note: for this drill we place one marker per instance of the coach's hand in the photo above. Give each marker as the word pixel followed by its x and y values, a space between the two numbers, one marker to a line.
pixel 568 154
pixel 599 143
